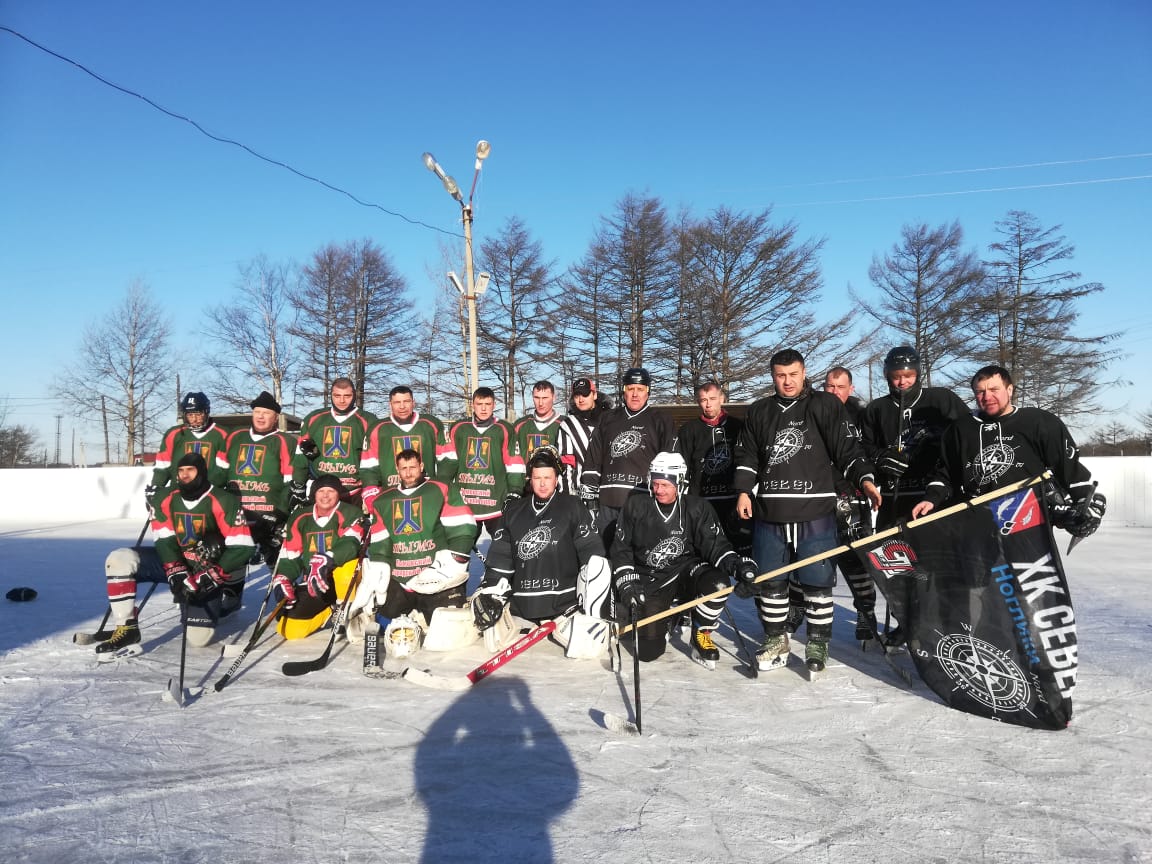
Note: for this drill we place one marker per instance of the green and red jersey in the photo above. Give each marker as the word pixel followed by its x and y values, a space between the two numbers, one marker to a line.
pixel 260 466
pixel 422 433
pixel 412 525
pixel 484 463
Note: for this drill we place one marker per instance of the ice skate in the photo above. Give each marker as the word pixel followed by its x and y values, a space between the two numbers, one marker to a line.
pixel 704 650
pixel 774 653
pixel 816 658
pixel 124 642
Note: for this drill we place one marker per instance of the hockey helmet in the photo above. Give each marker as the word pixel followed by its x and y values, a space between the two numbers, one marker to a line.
pixel 903 357
pixel 196 402
pixel 545 456
pixel 671 467
pixel 636 375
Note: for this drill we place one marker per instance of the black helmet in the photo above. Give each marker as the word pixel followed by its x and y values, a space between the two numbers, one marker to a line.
pixel 195 402
pixel 903 357
pixel 636 375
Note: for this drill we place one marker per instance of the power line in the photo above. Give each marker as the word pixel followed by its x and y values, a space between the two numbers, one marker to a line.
pixel 222 140
pixel 969 191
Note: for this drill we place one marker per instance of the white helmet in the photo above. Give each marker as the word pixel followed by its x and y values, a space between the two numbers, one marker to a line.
pixel 671 467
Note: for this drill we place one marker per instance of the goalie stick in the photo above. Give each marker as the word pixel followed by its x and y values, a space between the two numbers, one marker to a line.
pixel 462 682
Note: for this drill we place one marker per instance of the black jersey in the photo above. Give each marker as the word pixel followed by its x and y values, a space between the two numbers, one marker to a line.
pixel 792 452
pixel 660 542
pixel 539 549
pixel 622 449
pixel 915 428
pixel 978 455
pixel 708 449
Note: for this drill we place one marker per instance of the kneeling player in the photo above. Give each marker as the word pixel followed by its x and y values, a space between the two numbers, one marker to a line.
pixel 421 537
pixel 202 547
pixel 318 558
pixel 544 559
pixel 669 547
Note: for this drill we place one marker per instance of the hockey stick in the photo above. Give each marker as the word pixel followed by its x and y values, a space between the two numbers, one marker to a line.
pixel 302 667
pixel 175 691
pixel 463 682
pixel 102 635
pixel 257 632
pixel 855 544
pixel 745 648
pixel 895 511
pixel 636 666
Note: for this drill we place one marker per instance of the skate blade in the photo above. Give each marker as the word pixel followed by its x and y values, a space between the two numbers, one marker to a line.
pixel 707 664
pixel 814 674
pixel 120 654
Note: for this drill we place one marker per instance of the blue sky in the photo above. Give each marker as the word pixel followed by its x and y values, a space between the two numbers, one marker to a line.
pixel 851 119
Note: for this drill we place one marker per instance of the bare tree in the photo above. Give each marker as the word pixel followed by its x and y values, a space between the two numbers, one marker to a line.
pixel 254 332
pixel 928 289
pixel 1028 319
pixel 17 444
pixel 351 314
pixel 123 360
pixel 509 319
pixel 749 288
pixel 441 357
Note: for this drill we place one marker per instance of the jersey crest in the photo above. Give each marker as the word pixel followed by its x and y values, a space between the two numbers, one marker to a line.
pixel 665 552
pixel 189 527
pixel 536 440
pixel 788 443
pixel 204 448
pixel 407 516
pixel 533 543
pixel 478 456
pixel 337 443
pixel 625 443
pixel 251 460
pixel 407 442
pixel 317 542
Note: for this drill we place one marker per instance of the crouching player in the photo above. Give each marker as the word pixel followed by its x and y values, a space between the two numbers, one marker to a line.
pixel 318 559
pixel 202 549
pixel 421 537
pixel 546 562
pixel 670 547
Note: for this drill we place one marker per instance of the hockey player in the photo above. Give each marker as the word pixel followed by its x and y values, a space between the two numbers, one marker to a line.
pixel 480 458
pixel 669 547
pixel 321 549
pixel 620 451
pixel 585 409
pixel 706 443
pixel 794 448
pixel 202 547
pixel 197 434
pixel 901 433
pixel 853 519
pixel 1004 444
pixel 332 442
pixel 404 429
pixel 257 466
pixel 536 557
pixel 542 425
pixel 420 541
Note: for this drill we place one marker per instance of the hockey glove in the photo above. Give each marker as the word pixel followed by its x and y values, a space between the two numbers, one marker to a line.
pixel 629 591
pixel 488 604
pixel 318 581
pixel 1085 516
pixel 745 578
pixel 282 587
pixel 893 462
pixel 308 448
pixel 149 493
pixel 176 572
pixel 205 582
pixel 589 495
pixel 368 495
pixel 299 495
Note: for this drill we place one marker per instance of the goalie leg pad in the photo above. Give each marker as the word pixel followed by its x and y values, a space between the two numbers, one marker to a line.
pixel 451 628
pixel 593 585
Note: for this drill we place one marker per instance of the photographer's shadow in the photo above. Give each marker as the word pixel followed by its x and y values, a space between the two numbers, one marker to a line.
pixel 493 774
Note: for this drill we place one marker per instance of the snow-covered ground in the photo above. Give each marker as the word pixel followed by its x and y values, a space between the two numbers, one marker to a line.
pixel 335 767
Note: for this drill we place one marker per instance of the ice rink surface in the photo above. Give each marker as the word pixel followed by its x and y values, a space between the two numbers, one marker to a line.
pixel 335 767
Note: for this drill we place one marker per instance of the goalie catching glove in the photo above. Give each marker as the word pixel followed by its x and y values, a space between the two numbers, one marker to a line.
pixel 488 604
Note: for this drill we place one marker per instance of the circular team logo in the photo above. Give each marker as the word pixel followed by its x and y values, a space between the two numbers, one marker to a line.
pixel 717 460
pixel 994 460
pixel 664 552
pixel 788 443
pixel 625 443
pixel 533 543
pixel 984 672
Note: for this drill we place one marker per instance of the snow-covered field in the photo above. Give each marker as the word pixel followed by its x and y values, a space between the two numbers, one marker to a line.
pixel 335 767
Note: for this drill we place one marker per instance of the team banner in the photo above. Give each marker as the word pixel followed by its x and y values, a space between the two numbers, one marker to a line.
pixel 983 598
